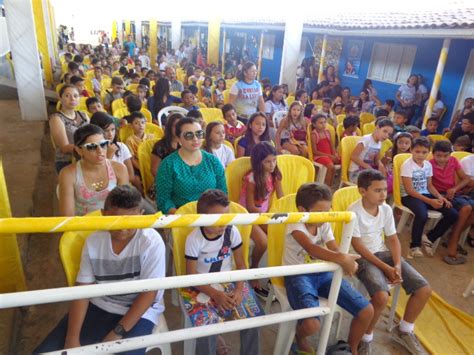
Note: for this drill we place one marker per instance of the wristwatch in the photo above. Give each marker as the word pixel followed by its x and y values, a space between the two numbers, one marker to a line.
pixel 119 330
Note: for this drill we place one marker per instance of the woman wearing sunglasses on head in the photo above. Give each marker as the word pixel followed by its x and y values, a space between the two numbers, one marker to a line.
pixel 84 185
pixel 185 174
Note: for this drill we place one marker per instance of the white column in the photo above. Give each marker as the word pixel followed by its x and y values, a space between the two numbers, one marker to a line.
pixel 291 50
pixel 138 32
pixel 24 47
pixel 175 34
pixel 49 33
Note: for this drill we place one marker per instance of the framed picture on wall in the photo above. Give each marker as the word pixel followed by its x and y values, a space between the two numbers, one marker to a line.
pixel 268 46
pixel 354 55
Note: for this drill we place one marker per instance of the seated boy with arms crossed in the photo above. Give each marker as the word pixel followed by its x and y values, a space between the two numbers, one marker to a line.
pixel 305 243
pixel 114 256
pixel 209 249
pixel 379 266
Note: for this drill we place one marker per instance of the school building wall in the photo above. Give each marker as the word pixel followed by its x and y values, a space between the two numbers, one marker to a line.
pixel 425 63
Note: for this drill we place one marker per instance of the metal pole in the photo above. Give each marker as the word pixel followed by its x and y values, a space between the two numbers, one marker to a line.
pixel 437 80
pixel 260 54
pixel 223 51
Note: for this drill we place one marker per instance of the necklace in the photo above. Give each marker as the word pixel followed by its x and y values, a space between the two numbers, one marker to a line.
pixel 69 116
pixel 98 186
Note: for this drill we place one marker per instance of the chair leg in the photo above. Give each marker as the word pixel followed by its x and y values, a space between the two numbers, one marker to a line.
pixel 402 222
pixel 190 344
pixel 393 307
pixel 463 238
pixel 286 333
pixel 469 289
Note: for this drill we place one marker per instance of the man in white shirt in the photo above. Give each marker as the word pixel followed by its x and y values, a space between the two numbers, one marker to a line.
pixel 378 266
pixel 175 84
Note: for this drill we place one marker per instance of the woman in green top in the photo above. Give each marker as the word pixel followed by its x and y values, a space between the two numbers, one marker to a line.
pixel 185 174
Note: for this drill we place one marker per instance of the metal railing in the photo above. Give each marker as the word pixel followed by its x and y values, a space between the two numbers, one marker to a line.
pixel 45 225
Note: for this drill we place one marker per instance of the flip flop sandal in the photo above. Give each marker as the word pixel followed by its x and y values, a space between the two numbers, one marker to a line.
pixel 460 249
pixel 294 350
pixel 453 260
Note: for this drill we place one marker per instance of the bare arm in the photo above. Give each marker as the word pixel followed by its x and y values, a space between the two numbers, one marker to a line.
pixel 121 172
pixel 77 314
pixel 58 133
pixel 155 164
pixel 355 157
pixel 250 199
pixel 67 179
pixel 261 104
pixel 278 188
pixel 240 151
pixel 129 165
pixel 283 125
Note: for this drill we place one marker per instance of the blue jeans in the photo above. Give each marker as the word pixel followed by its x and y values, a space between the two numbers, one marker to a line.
pixel 420 210
pixel 97 324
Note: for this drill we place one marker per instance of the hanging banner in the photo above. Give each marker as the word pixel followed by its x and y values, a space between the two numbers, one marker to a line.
pixel 352 65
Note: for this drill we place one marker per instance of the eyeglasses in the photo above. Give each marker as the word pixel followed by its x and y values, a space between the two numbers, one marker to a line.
pixel 93 146
pixel 189 136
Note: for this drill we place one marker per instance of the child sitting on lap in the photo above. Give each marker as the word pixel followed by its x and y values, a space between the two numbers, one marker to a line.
pixel 379 266
pixel 114 256
pixel 305 243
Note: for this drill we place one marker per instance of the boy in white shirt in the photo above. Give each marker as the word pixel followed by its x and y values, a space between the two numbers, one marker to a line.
pixel 378 266
pixel 114 256
pixel 210 249
pixel 306 243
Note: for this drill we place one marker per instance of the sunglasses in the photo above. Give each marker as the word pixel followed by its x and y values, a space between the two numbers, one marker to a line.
pixel 93 146
pixel 189 136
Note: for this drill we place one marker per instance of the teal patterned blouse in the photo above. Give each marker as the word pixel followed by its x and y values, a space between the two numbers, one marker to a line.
pixel 177 183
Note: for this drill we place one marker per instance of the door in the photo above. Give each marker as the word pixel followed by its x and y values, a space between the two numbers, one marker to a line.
pixel 467 84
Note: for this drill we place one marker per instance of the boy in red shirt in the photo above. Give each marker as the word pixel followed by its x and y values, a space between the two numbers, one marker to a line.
pixel 233 128
pixel 445 170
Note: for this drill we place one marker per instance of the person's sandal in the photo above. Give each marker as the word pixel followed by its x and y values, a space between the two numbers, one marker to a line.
pixel 454 260
pixel 460 249
pixel 221 347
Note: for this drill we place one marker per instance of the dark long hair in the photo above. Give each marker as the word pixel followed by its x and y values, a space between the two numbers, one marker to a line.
pixel 240 75
pixel 395 140
pixel 104 120
pixel 161 90
pixel 259 153
pixel 210 126
pixel 167 140
pixel 274 89
pixel 248 134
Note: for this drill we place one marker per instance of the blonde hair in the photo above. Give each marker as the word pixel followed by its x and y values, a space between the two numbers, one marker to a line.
pixel 300 119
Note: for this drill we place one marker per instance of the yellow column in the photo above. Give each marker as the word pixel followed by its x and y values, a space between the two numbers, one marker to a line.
pixel 437 80
pixel 260 54
pixel 322 62
pixel 113 34
pixel 153 46
pixel 223 52
pixel 42 41
pixel 54 33
pixel 213 41
pixel 12 278
pixel 127 27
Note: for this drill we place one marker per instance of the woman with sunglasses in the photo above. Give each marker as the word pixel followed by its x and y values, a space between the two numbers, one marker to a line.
pixel 185 174
pixel 84 185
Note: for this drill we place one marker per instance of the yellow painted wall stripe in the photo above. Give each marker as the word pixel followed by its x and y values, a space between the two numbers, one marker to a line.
pixel 213 34
pixel 153 44
pixel 322 61
pixel 42 41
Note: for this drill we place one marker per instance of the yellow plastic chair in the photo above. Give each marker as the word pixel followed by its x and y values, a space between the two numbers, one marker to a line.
pixel 226 94
pixel 366 117
pixel 117 105
pixel 290 99
pixel 176 93
pixel 397 197
pixel 70 252
pixel 212 114
pixel 322 170
pixel 318 103
pixel 340 131
pixel 340 118
pixel 59 87
pixel 150 128
pixel 123 111
pixel 460 155
pixel 234 173
pixel 348 145
pixel 368 128
pixel 144 161
pixel 132 88
pixel 436 138
pixel 341 200
pixel 275 247
pixel 386 145
pixel 201 105
pixel 295 171
pixel 230 145
pixel 236 143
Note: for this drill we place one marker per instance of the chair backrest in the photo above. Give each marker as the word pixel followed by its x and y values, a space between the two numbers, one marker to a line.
pixel 212 114
pixel 436 138
pixel 340 131
pixel 70 251
pixel 181 234
pixel 150 128
pixel 318 103
pixel 230 145
pixel 175 93
pixel 397 180
pixel 348 145
pixel 276 234
pixel 366 117
pixel 234 173
pixel 170 109
pixel 132 88
pixel 460 155
pixel 226 94
pixel 368 128
pixel 290 99
pixel 121 112
pixel 144 161
pixel 118 104
pixel 386 145
pixel 340 118
pixel 295 171
pixel 342 199
pixel 278 117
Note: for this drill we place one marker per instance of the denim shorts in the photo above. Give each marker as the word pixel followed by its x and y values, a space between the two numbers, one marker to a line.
pixel 375 281
pixel 303 291
pixel 461 201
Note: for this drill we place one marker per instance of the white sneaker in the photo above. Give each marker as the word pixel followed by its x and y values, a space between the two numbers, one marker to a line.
pixel 427 244
pixel 408 340
pixel 414 253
